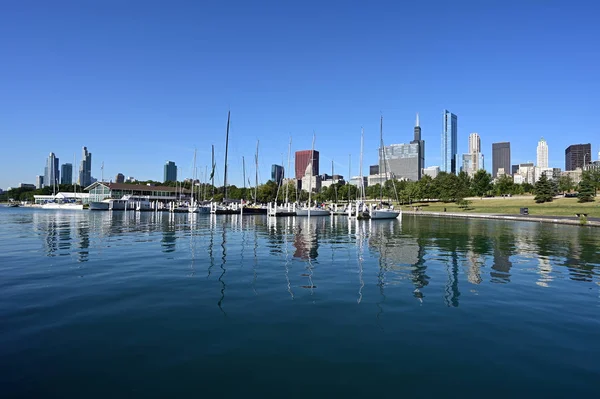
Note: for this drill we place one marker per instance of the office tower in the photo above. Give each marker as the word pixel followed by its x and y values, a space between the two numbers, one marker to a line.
pixel 449 142
pixel 52 173
pixel 170 173
pixel 501 158
pixel 373 170
pixel 473 160
pixel 421 143
pixel 39 182
pixel 120 178
pixel 66 173
pixel 402 161
pixel 542 154
pixel 474 143
pixel 303 159
pixel 85 168
pixel 576 155
pixel 277 173
pixel 514 169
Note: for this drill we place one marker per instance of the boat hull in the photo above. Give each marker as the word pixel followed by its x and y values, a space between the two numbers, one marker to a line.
pixel 254 211
pixel 312 212
pixel 98 206
pixel 72 207
pixel 384 214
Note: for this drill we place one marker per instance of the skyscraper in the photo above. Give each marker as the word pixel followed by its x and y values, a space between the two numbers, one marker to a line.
pixel 401 160
pixel 170 173
pixel 302 161
pixel 85 168
pixel 277 173
pixel 449 142
pixel 474 143
pixel 473 160
pixel 39 182
pixel 66 173
pixel 577 155
pixel 421 143
pixel 52 174
pixel 542 154
pixel 120 178
pixel 501 158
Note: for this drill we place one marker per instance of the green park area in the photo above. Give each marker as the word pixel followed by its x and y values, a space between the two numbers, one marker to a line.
pixel 559 206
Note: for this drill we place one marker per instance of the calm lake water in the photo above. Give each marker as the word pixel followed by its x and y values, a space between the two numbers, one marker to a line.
pixel 99 304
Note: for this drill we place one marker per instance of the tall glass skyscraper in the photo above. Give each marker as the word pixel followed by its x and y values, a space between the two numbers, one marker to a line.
pixel 85 169
pixel 66 173
pixel 449 142
pixel 51 171
pixel 170 173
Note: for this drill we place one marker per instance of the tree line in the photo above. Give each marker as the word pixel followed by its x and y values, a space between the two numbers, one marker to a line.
pixel 445 187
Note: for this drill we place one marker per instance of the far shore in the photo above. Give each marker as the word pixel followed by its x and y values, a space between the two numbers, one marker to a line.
pixel 561 210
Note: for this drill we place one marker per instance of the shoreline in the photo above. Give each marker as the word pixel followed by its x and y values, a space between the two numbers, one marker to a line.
pixel 519 218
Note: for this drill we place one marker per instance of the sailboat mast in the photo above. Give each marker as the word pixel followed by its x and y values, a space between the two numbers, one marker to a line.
pixel 349 174
pixel 360 164
pixel 193 177
pixel 312 156
pixel 287 186
pixel 256 175
pixel 382 156
pixel 212 175
pixel 205 182
pixel 244 173
pixel 226 149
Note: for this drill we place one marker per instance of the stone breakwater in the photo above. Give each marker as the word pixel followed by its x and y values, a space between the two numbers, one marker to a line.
pixel 593 222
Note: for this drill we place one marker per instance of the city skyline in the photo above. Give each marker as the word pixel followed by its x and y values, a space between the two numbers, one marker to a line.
pixel 137 99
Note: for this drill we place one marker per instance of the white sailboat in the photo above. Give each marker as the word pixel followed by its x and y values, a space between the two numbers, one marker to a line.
pixel 63 204
pixel 195 206
pixel 380 211
pixel 310 209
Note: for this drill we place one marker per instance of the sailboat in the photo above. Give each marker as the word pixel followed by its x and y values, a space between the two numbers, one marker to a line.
pixel 256 208
pixel 287 209
pixel 380 211
pixel 62 203
pixel 310 209
pixel 195 206
pixel 231 208
pixel 359 210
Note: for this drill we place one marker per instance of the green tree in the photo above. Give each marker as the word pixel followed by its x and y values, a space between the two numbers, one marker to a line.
pixel 586 190
pixel 464 184
pixel 543 190
pixel 593 176
pixel 527 188
pixel 504 185
pixel 565 184
pixel 481 183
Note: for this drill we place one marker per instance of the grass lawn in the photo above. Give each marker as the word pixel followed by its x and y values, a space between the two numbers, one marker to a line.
pixel 511 206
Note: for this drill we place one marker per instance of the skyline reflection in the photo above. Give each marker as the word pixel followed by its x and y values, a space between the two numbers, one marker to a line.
pixel 428 256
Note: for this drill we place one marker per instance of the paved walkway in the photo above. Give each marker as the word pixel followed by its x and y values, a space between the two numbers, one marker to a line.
pixel 542 219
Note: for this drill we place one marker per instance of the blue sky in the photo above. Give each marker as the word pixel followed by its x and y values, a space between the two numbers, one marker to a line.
pixel 142 82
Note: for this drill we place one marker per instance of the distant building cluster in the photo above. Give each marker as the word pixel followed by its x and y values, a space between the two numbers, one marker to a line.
pixel 402 161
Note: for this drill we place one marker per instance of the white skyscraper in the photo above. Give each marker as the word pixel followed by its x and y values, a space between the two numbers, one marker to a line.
pixel 542 154
pixel 472 161
pixel 474 143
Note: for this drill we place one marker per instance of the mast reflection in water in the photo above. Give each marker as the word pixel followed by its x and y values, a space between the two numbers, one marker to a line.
pixel 230 304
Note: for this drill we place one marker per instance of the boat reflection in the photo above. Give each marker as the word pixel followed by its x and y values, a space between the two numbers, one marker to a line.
pixel 421 257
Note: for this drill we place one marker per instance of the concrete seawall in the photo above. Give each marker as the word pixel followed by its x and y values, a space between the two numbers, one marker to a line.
pixel 521 218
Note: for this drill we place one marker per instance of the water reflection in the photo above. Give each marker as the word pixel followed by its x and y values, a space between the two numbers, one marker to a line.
pixel 428 258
